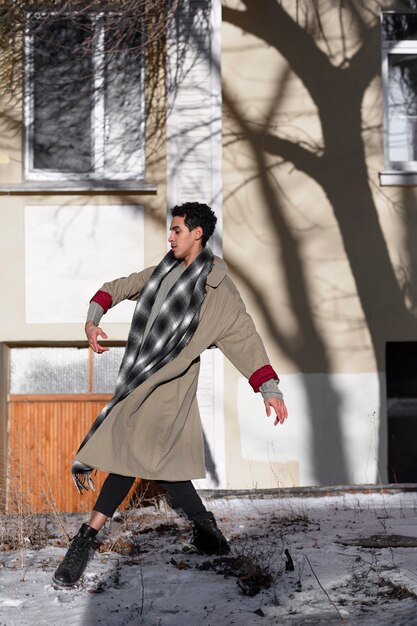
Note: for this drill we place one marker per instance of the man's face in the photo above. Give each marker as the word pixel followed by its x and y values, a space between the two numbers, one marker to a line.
pixel 185 244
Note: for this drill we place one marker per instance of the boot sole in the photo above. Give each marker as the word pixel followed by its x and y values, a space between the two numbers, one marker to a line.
pixel 214 552
pixel 60 585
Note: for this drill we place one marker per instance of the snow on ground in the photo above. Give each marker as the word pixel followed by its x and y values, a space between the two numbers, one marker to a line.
pixel 141 575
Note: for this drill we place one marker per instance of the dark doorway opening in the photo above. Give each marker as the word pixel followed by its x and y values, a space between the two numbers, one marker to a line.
pixel 401 373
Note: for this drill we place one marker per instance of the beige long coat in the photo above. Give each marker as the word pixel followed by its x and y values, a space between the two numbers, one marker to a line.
pixel 155 432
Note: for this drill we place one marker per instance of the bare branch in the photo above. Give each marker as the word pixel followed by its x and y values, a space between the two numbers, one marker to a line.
pixel 271 23
pixel 304 160
pixel 323 589
pixel 134 32
pixel 137 25
pixel 365 64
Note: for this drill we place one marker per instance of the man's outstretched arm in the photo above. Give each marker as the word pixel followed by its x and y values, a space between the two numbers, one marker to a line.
pixel 108 296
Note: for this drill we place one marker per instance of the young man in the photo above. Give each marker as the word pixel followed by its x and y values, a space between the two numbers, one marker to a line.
pixel 151 428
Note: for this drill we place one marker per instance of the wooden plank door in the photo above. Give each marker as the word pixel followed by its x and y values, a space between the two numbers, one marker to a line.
pixel 44 435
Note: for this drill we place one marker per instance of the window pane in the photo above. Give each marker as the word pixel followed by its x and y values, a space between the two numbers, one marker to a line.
pixel 105 369
pixel 402 107
pixel 123 103
pixel 48 370
pixel 63 91
pixel 399 26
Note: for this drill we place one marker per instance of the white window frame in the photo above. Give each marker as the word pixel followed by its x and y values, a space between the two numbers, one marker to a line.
pixel 100 122
pixel 403 172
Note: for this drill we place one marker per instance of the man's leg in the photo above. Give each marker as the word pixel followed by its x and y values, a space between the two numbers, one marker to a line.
pixel 206 536
pixel 114 490
pixel 112 494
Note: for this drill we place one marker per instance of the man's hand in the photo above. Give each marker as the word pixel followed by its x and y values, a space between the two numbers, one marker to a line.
pixel 93 333
pixel 279 408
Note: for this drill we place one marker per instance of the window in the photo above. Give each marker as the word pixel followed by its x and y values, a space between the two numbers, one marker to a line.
pixel 50 370
pixel 399 76
pixel 84 99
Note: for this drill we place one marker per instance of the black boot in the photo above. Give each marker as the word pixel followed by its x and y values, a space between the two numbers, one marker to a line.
pixel 208 538
pixel 70 570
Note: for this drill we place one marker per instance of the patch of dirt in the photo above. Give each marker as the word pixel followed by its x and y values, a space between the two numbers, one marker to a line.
pixel 251 578
pixel 160 529
pixel 381 541
pixel 293 521
pixel 133 543
pixel 181 565
pixel 23 531
pixel 123 545
pixel 370 590
pixel 394 592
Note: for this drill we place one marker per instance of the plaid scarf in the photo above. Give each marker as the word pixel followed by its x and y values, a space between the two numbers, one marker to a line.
pixel 171 331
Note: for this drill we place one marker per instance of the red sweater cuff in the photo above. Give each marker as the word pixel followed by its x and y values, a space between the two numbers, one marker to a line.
pixel 104 299
pixel 261 375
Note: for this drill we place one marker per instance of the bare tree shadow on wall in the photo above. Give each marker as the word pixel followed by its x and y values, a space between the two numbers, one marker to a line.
pixel 336 81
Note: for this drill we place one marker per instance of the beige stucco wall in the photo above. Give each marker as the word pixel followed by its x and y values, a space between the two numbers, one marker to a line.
pixel 13 326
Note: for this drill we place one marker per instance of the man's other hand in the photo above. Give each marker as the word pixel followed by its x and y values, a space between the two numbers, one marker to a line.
pixel 93 333
pixel 279 407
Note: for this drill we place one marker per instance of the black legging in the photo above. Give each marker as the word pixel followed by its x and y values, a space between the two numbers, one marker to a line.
pixel 181 495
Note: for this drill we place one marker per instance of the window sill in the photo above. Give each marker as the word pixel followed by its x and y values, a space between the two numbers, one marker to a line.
pixel 396 178
pixel 89 187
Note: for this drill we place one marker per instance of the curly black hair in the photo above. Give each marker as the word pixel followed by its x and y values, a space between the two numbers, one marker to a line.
pixel 197 214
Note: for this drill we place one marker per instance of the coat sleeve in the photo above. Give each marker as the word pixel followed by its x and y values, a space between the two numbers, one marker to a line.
pixel 240 342
pixel 127 288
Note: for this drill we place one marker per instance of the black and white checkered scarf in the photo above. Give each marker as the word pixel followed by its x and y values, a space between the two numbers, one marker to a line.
pixel 170 332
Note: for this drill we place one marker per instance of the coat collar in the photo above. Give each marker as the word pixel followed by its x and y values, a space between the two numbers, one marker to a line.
pixel 218 272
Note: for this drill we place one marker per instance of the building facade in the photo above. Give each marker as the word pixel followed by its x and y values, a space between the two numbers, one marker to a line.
pixel 298 127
